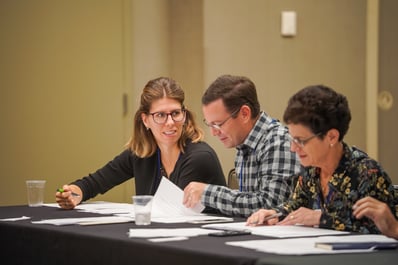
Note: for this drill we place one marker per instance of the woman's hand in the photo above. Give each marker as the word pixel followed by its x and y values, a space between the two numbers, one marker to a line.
pixel 69 196
pixel 262 217
pixel 302 216
pixel 379 213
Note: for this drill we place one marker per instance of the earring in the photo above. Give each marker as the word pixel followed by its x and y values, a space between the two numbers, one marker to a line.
pixel 331 145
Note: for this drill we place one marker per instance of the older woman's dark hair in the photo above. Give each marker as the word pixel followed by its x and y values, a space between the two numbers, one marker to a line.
pixel 319 108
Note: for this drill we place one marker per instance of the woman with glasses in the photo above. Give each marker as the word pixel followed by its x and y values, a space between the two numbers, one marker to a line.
pixel 166 142
pixel 334 175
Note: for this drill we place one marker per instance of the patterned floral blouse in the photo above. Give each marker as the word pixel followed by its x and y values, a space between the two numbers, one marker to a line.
pixel 356 176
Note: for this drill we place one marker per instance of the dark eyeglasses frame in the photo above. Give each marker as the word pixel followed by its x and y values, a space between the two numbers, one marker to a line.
pixel 301 143
pixel 167 116
pixel 219 125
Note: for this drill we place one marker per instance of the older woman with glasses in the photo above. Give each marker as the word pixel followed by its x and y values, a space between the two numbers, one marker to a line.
pixel 334 175
pixel 166 142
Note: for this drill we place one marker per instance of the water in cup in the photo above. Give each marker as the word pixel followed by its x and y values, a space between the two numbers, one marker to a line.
pixel 142 209
pixel 143 218
pixel 35 192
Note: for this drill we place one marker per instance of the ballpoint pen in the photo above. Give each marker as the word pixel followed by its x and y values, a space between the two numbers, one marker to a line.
pixel 269 217
pixel 73 193
pixel 272 216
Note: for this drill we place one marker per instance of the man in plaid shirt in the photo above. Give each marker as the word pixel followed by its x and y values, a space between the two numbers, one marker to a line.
pixel 264 164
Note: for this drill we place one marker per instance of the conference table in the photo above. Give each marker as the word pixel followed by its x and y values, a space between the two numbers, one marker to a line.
pixel 26 243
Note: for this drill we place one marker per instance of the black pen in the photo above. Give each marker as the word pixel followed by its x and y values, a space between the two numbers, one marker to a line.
pixel 73 193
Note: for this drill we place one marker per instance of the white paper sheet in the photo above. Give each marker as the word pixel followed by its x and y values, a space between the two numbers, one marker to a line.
pixel 167 206
pixel 168 239
pixel 280 231
pixel 306 245
pixel 13 219
pixel 101 207
pixel 85 220
pixel 168 201
pixel 107 208
pixel 168 232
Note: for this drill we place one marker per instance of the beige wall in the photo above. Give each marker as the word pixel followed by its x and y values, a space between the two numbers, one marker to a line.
pixel 61 81
pixel 388 82
pixel 61 109
pixel 329 48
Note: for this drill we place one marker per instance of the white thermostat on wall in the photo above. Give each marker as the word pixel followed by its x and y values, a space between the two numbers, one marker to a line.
pixel 289 23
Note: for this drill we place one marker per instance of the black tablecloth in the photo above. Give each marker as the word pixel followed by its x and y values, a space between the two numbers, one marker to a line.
pixel 27 243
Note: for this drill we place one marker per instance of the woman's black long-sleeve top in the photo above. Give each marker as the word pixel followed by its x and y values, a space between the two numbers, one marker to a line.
pixel 198 162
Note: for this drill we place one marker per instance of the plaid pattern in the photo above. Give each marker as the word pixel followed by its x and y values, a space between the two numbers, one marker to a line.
pixel 264 166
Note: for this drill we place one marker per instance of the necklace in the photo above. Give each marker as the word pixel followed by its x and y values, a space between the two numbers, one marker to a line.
pixel 324 186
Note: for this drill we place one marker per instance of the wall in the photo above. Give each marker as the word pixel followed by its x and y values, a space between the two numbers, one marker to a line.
pixel 388 81
pixel 61 80
pixel 65 66
pixel 329 48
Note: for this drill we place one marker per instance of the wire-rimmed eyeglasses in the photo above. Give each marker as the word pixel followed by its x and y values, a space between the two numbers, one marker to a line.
pixel 218 126
pixel 302 142
pixel 161 117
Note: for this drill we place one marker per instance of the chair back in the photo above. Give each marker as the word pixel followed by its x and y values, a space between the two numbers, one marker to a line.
pixel 232 181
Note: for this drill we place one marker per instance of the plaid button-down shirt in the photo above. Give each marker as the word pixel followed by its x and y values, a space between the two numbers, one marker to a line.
pixel 264 166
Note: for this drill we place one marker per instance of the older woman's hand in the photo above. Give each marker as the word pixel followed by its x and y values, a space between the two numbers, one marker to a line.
pixel 263 217
pixel 302 216
pixel 379 213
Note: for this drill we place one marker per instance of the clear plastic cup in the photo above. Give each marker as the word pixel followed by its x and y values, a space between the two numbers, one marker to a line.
pixel 142 209
pixel 35 192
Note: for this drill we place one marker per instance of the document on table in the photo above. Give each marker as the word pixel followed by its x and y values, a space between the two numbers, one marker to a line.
pixel 280 231
pixel 13 219
pixel 306 245
pixel 86 220
pixel 107 208
pixel 168 232
pixel 101 207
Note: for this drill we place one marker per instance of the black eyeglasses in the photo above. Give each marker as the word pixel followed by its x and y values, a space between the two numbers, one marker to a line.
pixel 217 126
pixel 302 142
pixel 161 117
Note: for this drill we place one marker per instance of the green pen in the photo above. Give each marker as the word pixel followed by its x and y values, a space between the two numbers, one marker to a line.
pixel 73 193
